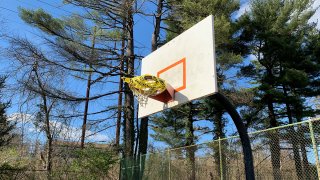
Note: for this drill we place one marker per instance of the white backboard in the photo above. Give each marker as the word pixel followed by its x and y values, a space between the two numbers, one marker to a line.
pixel 187 63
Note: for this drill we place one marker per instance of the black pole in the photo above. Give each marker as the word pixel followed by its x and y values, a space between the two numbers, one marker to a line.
pixel 242 130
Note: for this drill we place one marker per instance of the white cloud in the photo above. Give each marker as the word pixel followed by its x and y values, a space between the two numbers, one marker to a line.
pixel 72 133
pixel 66 132
pixel 98 137
pixel 20 118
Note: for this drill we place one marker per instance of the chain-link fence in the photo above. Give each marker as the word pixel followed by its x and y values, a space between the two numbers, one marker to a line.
pixel 286 152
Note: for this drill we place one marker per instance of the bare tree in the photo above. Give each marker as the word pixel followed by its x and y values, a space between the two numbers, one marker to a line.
pixel 36 77
pixel 78 46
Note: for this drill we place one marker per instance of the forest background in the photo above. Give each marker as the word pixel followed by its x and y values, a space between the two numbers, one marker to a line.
pixel 61 63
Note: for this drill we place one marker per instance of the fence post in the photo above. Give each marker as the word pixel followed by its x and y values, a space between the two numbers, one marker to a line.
pixel 220 159
pixel 120 169
pixel 133 167
pixel 315 149
pixel 169 154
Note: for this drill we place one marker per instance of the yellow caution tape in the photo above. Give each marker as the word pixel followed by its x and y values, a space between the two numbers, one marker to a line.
pixel 146 85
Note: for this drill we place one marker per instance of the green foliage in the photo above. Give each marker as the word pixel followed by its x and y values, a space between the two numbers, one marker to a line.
pixel 42 20
pixel 280 37
pixel 11 162
pixel 93 163
pixel 295 78
pixel 186 13
pixel 169 127
pixel 8 171
pixel 6 127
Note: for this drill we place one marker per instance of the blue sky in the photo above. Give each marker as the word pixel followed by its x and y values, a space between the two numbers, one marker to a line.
pixel 15 26
pixel 143 29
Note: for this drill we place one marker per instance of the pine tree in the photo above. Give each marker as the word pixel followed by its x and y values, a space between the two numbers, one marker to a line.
pixel 176 128
pixel 79 44
pixel 278 31
pixel 6 127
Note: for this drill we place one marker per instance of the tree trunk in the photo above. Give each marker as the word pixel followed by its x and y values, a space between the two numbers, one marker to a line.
pixel 305 161
pixel 218 133
pixel 137 142
pixel 156 32
pixel 274 142
pixel 143 138
pixel 190 149
pixel 119 114
pixel 296 154
pixel 86 106
pixel 129 99
pixel 49 138
pixel 302 141
pixel 293 138
pixel 143 144
pixel 49 158
pixel 128 122
pixel 46 111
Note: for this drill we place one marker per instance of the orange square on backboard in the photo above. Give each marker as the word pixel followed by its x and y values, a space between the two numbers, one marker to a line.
pixel 184 78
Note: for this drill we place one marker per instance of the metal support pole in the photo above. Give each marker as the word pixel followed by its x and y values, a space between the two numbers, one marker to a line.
pixel 315 148
pixel 220 158
pixel 242 130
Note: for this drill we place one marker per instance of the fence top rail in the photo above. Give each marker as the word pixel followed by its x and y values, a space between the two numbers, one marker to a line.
pixel 251 133
pixel 168 150
pixel 284 126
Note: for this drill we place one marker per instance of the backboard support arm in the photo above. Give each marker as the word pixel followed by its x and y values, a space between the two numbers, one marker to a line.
pixel 242 130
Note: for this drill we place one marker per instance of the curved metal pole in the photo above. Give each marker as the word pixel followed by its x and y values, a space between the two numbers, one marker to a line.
pixel 242 130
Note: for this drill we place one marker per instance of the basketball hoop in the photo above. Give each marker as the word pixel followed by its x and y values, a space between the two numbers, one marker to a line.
pixel 145 86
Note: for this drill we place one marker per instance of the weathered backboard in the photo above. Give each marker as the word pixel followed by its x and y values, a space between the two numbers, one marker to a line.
pixel 187 63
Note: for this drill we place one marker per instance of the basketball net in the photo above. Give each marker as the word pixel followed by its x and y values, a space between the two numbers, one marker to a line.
pixel 145 86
